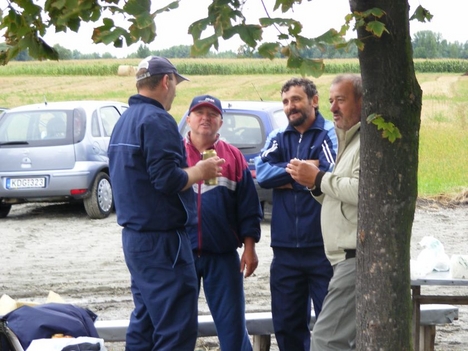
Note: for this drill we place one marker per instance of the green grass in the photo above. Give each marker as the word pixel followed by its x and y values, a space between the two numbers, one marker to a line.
pixel 443 149
pixel 443 168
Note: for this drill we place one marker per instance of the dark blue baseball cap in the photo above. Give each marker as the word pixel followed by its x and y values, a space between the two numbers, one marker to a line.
pixel 206 100
pixel 158 65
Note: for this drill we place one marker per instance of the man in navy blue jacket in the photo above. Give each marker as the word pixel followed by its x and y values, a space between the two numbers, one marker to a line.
pixel 154 203
pixel 299 270
pixel 229 215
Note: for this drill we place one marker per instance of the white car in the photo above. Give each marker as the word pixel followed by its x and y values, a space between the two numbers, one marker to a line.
pixel 57 152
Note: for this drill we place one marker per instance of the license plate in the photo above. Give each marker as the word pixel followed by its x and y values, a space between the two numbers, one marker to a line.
pixel 23 183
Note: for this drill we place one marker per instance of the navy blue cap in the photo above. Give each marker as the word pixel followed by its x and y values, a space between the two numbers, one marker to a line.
pixel 206 100
pixel 158 65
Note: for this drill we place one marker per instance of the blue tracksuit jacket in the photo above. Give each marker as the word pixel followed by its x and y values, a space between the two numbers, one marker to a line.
pixel 146 157
pixel 295 219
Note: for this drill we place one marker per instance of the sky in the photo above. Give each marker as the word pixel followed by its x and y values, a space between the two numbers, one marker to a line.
pixel 317 17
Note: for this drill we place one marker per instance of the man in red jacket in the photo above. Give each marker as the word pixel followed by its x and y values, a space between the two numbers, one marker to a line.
pixel 229 216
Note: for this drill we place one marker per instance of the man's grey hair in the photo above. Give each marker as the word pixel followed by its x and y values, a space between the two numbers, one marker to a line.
pixel 355 79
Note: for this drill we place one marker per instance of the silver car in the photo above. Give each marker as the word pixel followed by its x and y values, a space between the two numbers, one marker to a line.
pixel 57 152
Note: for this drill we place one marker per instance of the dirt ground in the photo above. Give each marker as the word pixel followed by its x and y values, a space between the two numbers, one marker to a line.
pixel 56 247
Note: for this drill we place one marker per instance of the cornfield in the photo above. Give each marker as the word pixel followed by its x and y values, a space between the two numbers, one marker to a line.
pixel 204 67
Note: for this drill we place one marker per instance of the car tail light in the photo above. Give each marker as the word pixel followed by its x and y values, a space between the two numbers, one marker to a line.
pixel 75 192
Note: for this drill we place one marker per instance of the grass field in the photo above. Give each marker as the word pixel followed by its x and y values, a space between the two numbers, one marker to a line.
pixel 443 168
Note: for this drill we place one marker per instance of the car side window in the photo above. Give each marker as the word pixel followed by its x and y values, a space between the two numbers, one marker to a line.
pixel 79 124
pixel 109 117
pixel 95 131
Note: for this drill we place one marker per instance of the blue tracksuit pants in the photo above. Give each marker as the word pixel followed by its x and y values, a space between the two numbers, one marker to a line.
pixel 296 277
pixel 224 291
pixel 165 291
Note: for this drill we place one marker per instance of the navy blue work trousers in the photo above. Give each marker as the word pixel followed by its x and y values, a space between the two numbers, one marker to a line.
pixel 297 275
pixel 224 291
pixel 165 291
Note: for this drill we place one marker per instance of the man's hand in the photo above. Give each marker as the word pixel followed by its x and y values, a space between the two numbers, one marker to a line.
pixel 303 172
pixel 211 167
pixel 204 169
pixel 314 162
pixel 249 259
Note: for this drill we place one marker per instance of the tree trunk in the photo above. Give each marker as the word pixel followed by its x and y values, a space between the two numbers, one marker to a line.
pixel 388 181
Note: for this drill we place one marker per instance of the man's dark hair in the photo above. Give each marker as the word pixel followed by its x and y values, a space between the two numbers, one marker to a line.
pixel 307 85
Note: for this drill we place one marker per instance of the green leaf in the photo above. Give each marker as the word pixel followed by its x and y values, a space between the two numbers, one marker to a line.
pixel 11 53
pixel 58 4
pixel 421 14
pixel 144 20
pixel 196 28
pixel 372 116
pixel 313 67
pixel 30 8
pixel 145 34
pixel 173 5
pixel 202 46
pixel 286 5
pixel 74 24
pixel 358 43
pixel 250 34
pixel 331 36
pixel 295 29
pixel 389 130
pixel 303 42
pixel 137 7
pixel 344 29
pixel 376 12
pixel 267 21
pixel 107 34
pixel 376 28
pixel 294 61
pixel 269 50
pixel 37 47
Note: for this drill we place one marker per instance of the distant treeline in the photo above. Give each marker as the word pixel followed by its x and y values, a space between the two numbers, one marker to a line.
pixel 426 45
pixel 209 67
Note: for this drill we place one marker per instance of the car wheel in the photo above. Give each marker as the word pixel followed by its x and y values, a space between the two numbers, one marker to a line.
pixel 4 209
pixel 100 204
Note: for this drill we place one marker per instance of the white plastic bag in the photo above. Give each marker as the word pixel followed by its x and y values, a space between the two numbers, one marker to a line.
pixel 431 258
pixel 459 264
pixel 57 344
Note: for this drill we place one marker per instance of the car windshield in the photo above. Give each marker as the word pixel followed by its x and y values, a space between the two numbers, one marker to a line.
pixel 241 129
pixel 41 128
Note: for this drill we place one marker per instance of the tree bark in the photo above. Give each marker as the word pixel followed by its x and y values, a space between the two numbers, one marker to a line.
pixel 388 181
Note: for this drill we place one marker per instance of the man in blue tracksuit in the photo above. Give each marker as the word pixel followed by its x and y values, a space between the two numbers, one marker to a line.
pixel 299 270
pixel 153 200
pixel 229 216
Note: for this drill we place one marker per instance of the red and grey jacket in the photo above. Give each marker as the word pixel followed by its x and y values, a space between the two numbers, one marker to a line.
pixel 229 211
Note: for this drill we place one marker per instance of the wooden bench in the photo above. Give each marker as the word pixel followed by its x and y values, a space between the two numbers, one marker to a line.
pixel 432 315
pixel 260 326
